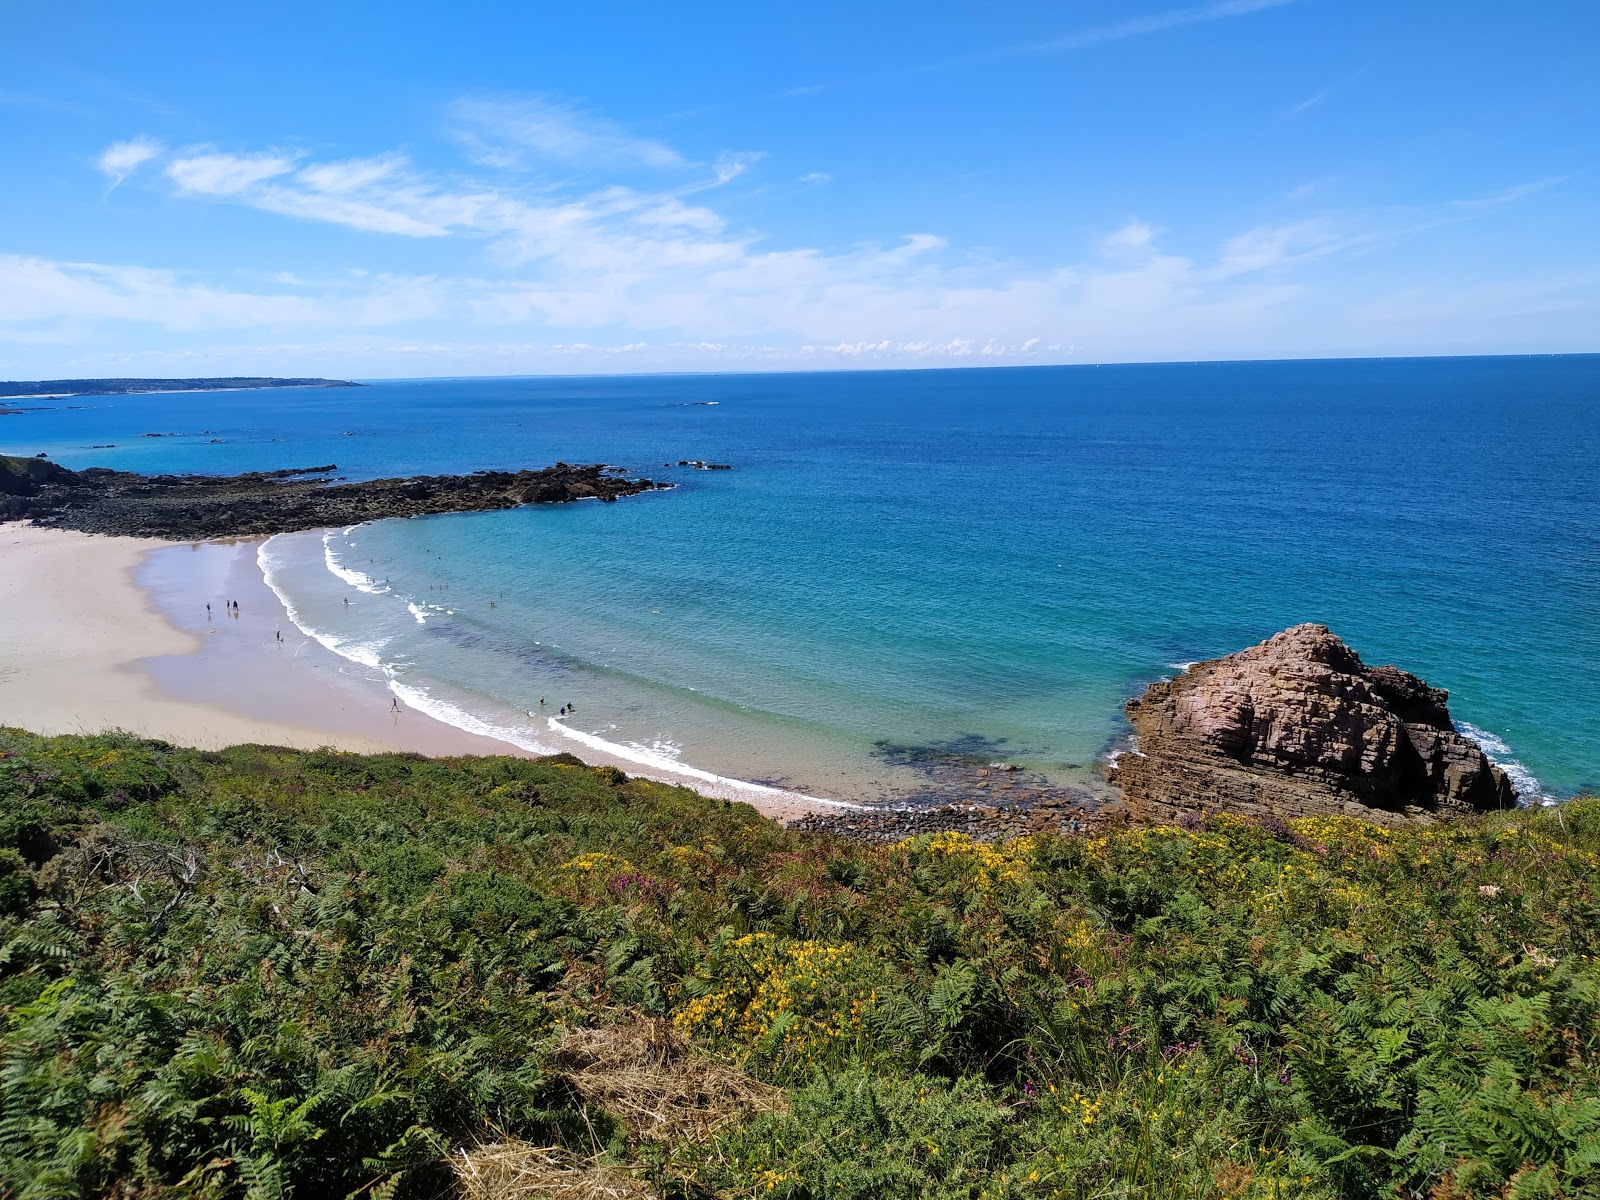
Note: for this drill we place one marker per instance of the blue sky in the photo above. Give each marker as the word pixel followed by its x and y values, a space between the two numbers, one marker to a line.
pixel 406 189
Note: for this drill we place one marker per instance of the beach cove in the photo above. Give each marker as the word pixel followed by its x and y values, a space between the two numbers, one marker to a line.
pixel 113 633
pixel 914 568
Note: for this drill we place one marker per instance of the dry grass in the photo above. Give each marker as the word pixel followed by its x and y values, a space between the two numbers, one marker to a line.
pixel 517 1170
pixel 645 1074
pixel 648 1076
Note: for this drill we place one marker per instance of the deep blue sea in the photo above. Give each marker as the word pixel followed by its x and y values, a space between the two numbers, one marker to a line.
pixel 986 560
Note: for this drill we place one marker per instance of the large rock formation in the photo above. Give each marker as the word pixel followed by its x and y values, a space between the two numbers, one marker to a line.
pixel 1300 726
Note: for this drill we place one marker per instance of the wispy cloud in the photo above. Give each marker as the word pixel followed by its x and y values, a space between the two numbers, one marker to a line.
pixel 1509 195
pixel 530 130
pixel 1154 23
pixel 120 159
pixel 1083 39
pixel 677 279
pixel 13 99
pixel 1310 102
pixel 209 173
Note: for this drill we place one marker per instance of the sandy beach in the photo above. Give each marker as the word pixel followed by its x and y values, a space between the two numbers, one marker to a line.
pixel 84 648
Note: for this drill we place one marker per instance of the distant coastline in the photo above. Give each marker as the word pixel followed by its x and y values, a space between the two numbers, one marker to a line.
pixel 36 389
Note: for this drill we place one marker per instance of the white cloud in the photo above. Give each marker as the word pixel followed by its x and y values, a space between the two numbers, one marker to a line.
pixel 214 174
pixel 1277 247
pixel 37 293
pixel 339 178
pixel 657 278
pixel 1134 237
pixel 731 166
pixel 520 132
pixel 121 159
pixel 816 178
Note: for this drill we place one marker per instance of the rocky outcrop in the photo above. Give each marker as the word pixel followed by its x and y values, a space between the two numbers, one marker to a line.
pixel 1300 726
pixel 188 507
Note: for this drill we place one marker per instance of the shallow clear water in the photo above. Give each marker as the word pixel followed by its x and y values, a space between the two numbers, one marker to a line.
pixel 994 559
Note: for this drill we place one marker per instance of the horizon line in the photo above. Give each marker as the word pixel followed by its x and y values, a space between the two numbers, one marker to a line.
pixel 862 370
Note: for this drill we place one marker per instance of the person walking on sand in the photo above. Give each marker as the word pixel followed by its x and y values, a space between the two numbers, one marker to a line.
pixel 394 704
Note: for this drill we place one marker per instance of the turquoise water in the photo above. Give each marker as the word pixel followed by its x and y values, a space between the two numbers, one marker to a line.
pixel 991 560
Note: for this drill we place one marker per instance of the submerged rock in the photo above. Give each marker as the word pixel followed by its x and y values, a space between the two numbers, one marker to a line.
pixel 1300 726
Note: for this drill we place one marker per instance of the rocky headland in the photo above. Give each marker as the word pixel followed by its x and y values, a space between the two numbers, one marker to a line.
pixel 1300 726
pixel 191 507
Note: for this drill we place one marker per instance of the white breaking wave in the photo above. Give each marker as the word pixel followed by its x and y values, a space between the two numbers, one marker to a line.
pixel 656 760
pixel 347 648
pixel 359 580
pixel 659 757
pixel 1529 789
pixel 440 709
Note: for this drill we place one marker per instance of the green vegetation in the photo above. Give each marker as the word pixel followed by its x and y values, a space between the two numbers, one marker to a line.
pixel 266 973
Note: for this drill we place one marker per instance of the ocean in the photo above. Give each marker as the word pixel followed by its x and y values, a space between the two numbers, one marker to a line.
pixel 908 564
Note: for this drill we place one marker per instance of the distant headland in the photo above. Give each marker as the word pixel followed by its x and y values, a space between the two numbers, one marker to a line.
pixel 22 388
pixel 187 507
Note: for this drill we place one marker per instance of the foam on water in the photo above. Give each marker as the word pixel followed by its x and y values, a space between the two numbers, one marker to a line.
pixel 660 757
pixel 367 655
pixel 656 760
pixel 925 559
pixel 359 580
pixel 1529 789
pixel 420 698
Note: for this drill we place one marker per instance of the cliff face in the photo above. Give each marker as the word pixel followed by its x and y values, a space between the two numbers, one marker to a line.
pixel 1300 726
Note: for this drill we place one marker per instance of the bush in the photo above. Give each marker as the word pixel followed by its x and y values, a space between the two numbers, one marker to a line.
pixel 261 972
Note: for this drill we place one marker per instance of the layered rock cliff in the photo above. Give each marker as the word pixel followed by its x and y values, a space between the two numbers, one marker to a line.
pixel 1300 726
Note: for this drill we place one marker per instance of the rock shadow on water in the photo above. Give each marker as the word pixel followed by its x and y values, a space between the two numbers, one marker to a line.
pixel 968 787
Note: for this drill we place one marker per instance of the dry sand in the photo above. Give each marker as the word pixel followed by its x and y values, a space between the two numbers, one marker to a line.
pixel 85 648
pixel 75 631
